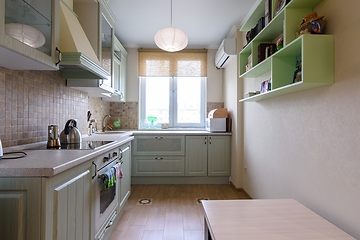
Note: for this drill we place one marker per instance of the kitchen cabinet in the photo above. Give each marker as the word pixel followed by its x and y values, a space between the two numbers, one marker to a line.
pixel 207 156
pixel 57 207
pixel 125 182
pixel 67 204
pixel 98 22
pixel 120 62
pixel 35 23
pixel 158 156
pixel 20 208
pixel 315 51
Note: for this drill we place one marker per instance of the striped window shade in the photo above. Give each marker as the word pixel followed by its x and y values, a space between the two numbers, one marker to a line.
pixel 186 63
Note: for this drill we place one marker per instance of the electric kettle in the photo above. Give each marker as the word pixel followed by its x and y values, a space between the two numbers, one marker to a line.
pixel 71 134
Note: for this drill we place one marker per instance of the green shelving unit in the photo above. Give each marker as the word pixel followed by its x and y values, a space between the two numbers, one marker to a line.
pixel 316 51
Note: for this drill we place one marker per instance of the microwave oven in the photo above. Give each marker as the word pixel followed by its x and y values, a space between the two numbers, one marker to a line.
pixel 216 124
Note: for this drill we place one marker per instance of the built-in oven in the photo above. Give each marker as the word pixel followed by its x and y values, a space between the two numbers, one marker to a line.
pixel 106 199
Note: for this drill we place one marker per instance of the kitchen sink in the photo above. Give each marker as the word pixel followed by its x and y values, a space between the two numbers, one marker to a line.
pixel 111 132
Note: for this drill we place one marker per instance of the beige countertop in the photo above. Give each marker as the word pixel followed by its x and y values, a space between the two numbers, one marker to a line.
pixel 47 163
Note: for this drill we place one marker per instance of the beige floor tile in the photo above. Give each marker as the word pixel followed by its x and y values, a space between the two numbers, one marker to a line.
pixel 152 235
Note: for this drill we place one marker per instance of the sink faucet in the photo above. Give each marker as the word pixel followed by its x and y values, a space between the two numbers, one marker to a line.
pixel 103 123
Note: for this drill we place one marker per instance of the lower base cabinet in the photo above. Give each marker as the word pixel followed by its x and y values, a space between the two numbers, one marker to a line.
pixel 125 182
pixel 36 208
pixel 207 156
pixel 193 156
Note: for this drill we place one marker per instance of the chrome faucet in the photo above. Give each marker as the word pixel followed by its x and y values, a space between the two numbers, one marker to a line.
pixel 103 123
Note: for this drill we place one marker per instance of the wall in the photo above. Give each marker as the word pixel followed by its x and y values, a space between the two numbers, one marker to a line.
pixel 233 92
pixel 305 145
pixel 32 100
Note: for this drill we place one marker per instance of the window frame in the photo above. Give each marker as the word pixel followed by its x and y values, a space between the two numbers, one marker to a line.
pixel 173 104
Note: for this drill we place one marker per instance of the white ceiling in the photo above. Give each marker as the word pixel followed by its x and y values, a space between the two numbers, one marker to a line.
pixel 205 22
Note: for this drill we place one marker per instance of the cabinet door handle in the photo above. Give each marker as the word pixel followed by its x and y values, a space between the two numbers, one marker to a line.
pixel 95 170
pixel 59 58
pixel 109 225
pixel 159 137
pixel 205 140
pixel 209 140
pixel 159 158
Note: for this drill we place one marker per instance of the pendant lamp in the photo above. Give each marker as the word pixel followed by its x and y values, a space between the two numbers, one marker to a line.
pixel 171 39
pixel 26 34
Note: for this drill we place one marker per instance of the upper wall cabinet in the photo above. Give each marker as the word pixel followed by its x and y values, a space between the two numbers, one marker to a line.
pixel 97 22
pixel 120 59
pixel 29 34
pixel 313 52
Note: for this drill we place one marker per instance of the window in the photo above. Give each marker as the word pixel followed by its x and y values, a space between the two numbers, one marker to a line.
pixel 172 88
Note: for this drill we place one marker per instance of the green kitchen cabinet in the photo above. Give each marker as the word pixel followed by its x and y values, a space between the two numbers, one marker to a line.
pixel 207 156
pixel 125 182
pixel 57 207
pixel 35 23
pixel 120 63
pixel 196 156
pixel 20 208
pixel 158 155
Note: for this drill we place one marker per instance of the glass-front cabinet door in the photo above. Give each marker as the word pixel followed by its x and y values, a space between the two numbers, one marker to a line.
pixel 30 28
pixel 106 41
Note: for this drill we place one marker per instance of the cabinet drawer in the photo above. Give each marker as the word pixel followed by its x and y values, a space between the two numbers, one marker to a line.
pixel 159 145
pixel 158 166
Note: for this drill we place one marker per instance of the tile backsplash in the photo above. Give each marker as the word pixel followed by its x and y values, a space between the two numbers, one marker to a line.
pixel 32 100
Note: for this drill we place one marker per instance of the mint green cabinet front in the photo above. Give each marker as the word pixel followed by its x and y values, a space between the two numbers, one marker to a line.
pixel 196 156
pixel 219 155
pixel 159 145
pixel 125 182
pixel 158 165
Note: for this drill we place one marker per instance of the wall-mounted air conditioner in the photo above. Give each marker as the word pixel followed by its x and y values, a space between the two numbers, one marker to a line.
pixel 225 53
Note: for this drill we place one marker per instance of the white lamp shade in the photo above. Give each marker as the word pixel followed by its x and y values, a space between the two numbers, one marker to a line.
pixel 171 39
pixel 26 34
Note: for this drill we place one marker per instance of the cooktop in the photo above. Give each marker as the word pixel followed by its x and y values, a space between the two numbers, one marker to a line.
pixel 85 145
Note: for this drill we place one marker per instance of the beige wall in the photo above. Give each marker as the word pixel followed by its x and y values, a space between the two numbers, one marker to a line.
pixel 214 81
pixel 233 92
pixel 305 145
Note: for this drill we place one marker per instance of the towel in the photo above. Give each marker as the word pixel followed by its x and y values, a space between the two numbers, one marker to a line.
pixel 118 171
pixel 109 178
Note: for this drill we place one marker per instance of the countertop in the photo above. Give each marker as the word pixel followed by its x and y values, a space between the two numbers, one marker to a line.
pixel 50 162
pixel 47 163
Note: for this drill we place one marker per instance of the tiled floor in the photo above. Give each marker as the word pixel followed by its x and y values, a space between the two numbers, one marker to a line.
pixel 173 214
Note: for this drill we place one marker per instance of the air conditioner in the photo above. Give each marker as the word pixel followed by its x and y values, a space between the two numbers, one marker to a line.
pixel 225 53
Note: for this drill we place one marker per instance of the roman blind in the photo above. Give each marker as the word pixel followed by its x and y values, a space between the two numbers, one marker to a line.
pixel 186 63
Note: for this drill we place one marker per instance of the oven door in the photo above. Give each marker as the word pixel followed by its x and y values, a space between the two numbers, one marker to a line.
pixel 106 200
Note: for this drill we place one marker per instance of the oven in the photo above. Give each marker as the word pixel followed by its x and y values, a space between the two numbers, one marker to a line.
pixel 105 200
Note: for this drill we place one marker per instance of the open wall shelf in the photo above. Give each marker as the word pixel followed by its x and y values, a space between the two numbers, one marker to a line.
pixel 316 52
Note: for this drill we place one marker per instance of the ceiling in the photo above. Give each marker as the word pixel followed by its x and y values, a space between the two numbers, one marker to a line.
pixel 205 22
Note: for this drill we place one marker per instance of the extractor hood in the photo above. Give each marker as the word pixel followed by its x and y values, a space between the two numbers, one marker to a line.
pixel 79 60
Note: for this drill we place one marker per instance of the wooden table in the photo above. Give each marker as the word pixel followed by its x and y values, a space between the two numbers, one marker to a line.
pixel 275 219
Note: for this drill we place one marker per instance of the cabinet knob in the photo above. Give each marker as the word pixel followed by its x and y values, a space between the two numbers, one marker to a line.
pixel 115 154
pixel 105 159
pixel 157 158
pixel 205 140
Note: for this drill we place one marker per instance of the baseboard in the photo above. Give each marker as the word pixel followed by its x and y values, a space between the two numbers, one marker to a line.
pixel 240 190
pixel 179 180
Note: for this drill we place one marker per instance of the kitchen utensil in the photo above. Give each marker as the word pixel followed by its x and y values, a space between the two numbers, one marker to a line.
pixel 70 134
pixel 88 115
pixel 53 137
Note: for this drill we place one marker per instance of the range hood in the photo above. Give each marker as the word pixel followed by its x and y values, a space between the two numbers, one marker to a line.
pixel 79 61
